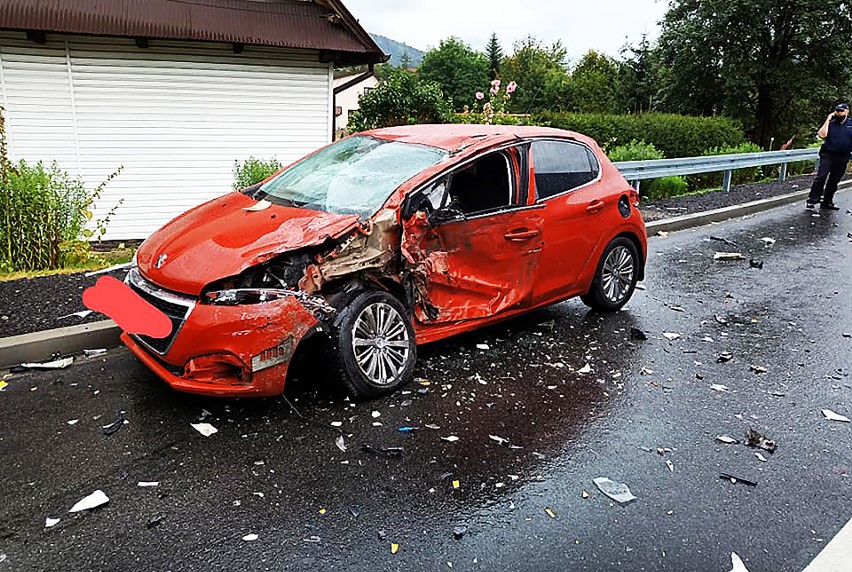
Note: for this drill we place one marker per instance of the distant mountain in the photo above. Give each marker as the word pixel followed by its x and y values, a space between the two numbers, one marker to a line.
pixel 397 50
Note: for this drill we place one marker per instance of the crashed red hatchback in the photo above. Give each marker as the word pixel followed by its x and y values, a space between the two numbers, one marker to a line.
pixel 382 241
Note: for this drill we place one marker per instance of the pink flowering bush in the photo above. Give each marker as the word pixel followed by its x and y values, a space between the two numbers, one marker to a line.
pixel 497 100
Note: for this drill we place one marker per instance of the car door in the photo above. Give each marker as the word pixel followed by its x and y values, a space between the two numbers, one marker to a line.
pixel 472 243
pixel 566 180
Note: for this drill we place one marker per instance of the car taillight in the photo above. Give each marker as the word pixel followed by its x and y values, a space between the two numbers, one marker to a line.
pixel 634 196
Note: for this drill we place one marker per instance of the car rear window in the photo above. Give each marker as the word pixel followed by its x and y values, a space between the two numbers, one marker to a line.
pixel 356 175
pixel 561 166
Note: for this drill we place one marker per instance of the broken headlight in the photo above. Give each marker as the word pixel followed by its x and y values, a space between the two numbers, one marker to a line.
pixel 243 296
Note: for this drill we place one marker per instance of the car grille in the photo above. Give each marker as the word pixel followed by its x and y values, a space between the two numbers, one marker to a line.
pixel 175 306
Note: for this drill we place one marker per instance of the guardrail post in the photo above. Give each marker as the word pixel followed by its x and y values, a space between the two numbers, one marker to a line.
pixel 783 176
pixel 726 181
pixel 636 184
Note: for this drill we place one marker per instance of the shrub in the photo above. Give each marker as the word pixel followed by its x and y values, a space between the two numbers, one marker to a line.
pixel 674 135
pixel 403 99
pixel 253 171
pixel 740 176
pixel 44 212
pixel 653 188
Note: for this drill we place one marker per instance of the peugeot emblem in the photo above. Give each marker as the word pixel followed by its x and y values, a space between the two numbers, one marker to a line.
pixel 161 260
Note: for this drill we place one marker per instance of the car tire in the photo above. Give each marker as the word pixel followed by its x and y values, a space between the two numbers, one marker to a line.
pixel 373 349
pixel 615 277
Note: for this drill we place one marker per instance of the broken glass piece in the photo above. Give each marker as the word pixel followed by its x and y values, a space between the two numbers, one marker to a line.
pixel 832 416
pixel 94 500
pixel 618 492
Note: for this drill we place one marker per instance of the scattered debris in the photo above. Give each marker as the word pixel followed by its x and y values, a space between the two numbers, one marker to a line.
pixel 662 233
pixel 82 314
pixel 847 335
pixel 728 256
pixel 737 563
pixel 618 492
pixel 95 353
pixel 832 416
pixel 115 425
pixel 549 512
pixel 768 241
pixel 148 484
pixel 483 347
pixel 646 371
pixel 721 319
pixel 354 511
pixel 456 484
pixel 94 500
pixel 755 439
pixel 718 387
pixel 725 240
pixel 156 521
pixel 260 205
pixel 450 439
pixel 503 441
pixel 394 548
pixel 727 440
pixel 585 369
pixel 758 369
pixel 734 480
pixel 760 457
pixel 390 452
pixel 725 356
pixel 250 538
pixel 204 428
pixel 459 532
pixel 3 385
pixel 375 414
pixel 407 429
pixel 61 363
pixel 752 263
pixel 671 336
pixel 432 426
pixel 340 443
pixel 106 271
pixel 637 334
pixel 50 522
pixel 584 495
pixel 73 422
pixel 670 465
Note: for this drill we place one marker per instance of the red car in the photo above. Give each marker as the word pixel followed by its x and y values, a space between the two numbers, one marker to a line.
pixel 382 241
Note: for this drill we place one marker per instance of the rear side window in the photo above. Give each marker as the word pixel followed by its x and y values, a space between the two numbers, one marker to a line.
pixel 561 166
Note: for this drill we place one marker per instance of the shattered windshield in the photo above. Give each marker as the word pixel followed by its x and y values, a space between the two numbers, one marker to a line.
pixel 355 175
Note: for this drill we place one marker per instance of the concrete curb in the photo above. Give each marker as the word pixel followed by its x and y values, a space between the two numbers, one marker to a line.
pixel 726 213
pixel 39 346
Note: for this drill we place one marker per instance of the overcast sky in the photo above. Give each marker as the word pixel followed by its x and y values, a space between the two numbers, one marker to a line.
pixel 602 25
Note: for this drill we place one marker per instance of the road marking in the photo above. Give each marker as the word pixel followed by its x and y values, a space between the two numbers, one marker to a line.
pixel 837 555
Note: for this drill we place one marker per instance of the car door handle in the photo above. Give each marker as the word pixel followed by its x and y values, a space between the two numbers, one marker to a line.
pixel 595 207
pixel 521 235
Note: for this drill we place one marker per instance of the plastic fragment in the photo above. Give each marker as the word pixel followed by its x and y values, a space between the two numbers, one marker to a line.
pixel 204 428
pixel 250 538
pixel 354 511
pixel 115 425
pixel 735 480
pixel 154 522
pixel 81 314
pixel 407 429
pixel 755 439
pixel 55 364
pixel 390 452
pixel 584 495
pixel 724 357
pixel 737 563
pixel 450 439
pixel 670 465
pixel 432 426
pixel 322 511
pixel 724 240
pixel 94 500
pixel 585 369
pixel 728 256
pixel 483 347
pixel 261 205
pixel 755 263
pixel 671 336
pixel 95 353
pixel 618 492
pixel 760 457
pixel 50 522
pixel 394 548
pixel 727 439
pixel 718 387
pixel 3 384
pixel 148 484
pixel 549 512
pixel 768 241
pixel 459 531
pixel 758 369
pixel 456 484
pixel 375 414
pixel 340 443
pixel 832 416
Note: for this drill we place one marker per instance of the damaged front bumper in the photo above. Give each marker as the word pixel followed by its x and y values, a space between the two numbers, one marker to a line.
pixel 231 350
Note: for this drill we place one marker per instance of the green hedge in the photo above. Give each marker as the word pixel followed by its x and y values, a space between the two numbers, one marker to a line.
pixel 674 135
pixel 661 188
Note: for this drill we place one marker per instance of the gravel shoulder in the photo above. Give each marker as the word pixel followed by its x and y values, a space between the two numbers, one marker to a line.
pixel 43 303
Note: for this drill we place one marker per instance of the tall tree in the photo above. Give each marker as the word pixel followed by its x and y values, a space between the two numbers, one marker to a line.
pixel 541 75
pixel 494 53
pixel 405 60
pixel 595 84
pixel 639 77
pixel 756 60
pixel 458 69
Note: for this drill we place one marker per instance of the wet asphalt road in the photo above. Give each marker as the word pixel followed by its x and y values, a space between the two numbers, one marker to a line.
pixel 272 473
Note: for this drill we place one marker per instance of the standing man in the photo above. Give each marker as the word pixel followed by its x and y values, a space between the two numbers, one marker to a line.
pixel 833 158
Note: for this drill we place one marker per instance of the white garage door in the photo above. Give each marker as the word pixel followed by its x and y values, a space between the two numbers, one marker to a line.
pixel 176 115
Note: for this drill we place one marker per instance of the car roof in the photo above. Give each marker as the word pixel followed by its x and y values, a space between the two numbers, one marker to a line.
pixel 455 137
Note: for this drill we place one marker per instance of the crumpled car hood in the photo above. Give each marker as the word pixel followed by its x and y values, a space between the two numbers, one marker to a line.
pixel 220 239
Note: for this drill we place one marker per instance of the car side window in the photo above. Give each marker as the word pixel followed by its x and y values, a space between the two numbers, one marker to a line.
pixel 483 185
pixel 561 166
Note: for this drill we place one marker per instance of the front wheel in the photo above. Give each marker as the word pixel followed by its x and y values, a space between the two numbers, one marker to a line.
pixel 615 278
pixel 373 347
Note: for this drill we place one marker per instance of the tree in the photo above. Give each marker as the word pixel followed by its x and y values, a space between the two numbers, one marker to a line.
pixel 541 75
pixel 405 61
pixel 639 77
pixel 594 84
pixel 494 53
pixel 458 69
pixel 402 99
pixel 756 60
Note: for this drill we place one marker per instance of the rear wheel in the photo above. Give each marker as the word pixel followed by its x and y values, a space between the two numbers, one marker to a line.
pixel 373 347
pixel 615 278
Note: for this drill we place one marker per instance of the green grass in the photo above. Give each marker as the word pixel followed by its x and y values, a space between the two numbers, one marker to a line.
pixel 98 261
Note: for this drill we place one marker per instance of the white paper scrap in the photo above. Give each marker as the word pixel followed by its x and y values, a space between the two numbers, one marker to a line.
pixel 94 500
pixel 204 428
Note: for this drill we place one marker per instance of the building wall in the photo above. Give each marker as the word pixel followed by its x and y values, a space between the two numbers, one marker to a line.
pixel 175 115
pixel 347 100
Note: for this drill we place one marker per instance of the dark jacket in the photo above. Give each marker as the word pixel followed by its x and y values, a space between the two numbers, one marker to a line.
pixel 839 139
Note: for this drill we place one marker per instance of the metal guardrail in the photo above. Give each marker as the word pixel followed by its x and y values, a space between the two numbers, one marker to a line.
pixel 635 171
